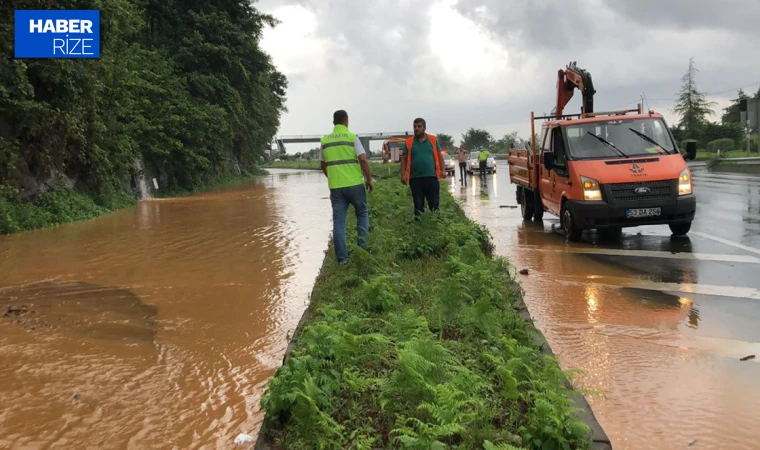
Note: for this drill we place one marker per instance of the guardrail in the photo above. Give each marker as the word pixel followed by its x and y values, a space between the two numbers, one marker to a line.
pixel 744 158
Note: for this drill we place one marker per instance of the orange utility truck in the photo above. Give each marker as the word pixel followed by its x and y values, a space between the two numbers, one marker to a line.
pixel 604 171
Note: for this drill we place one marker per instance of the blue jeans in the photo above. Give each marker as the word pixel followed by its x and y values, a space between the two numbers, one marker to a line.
pixel 340 199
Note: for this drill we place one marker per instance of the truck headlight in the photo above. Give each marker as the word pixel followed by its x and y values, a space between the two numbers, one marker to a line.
pixel 591 189
pixel 684 182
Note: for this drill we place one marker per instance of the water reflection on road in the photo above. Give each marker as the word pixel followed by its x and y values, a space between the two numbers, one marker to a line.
pixel 157 326
pixel 658 324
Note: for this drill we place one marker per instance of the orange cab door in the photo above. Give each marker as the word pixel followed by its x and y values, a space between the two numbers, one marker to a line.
pixel 546 177
pixel 561 174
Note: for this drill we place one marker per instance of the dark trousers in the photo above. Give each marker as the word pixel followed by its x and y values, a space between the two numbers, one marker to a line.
pixel 483 168
pixel 463 172
pixel 425 188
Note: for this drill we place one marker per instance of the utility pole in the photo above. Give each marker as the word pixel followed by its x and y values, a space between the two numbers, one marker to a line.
pixel 757 120
pixel 744 120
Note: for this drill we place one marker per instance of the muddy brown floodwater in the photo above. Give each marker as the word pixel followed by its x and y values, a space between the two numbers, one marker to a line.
pixel 658 324
pixel 156 326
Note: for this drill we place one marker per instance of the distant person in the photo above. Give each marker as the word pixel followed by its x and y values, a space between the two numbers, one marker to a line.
pixel 344 162
pixel 462 158
pixel 483 162
pixel 422 165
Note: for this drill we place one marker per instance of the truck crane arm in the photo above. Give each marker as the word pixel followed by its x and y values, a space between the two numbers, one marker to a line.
pixel 570 78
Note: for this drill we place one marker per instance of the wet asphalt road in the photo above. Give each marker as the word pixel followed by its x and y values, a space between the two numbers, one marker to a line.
pixel 657 324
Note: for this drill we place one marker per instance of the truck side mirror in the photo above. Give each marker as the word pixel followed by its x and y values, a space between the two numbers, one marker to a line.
pixel 691 150
pixel 548 160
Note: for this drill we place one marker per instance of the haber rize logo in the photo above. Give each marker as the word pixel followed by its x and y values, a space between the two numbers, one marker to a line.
pixel 57 34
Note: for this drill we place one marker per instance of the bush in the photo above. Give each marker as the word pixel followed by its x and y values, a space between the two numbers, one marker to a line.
pixel 720 144
pixel 54 207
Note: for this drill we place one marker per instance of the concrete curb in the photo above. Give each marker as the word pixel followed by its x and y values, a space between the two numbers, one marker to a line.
pixel 262 443
pixel 599 439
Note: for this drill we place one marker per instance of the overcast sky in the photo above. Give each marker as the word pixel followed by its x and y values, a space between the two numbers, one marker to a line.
pixel 489 63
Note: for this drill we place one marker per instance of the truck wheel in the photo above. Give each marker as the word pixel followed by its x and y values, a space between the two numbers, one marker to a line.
pixel 572 232
pixel 527 205
pixel 538 213
pixel 680 229
pixel 538 209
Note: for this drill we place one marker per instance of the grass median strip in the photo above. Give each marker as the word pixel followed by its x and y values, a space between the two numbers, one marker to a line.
pixel 416 344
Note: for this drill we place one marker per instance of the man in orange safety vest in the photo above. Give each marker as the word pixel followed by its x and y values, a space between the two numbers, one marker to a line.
pixel 422 166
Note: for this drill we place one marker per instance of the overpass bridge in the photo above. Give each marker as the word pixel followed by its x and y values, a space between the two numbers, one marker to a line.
pixel 365 138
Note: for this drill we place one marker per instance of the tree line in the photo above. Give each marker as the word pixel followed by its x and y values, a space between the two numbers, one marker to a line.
pixel 181 84
pixel 694 109
pixel 692 106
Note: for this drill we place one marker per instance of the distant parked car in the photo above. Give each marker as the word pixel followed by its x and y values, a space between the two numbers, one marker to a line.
pixel 473 164
pixel 450 164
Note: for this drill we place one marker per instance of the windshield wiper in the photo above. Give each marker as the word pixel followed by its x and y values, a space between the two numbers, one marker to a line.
pixel 650 140
pixel 609 144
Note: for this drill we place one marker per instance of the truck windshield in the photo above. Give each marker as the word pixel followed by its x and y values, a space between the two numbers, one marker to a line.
pixel 635 137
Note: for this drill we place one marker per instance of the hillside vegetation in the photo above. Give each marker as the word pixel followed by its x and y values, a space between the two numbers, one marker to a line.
pixel 181 84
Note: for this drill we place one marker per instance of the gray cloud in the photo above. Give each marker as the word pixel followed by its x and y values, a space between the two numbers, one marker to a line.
pixel 390 35
pixel 733 15
pixel 546 24
pixel 382 69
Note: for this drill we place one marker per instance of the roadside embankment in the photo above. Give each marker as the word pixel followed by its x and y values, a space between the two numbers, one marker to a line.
pixel 422 341
pixel 63 204
pixel 738 165
pixel 57 206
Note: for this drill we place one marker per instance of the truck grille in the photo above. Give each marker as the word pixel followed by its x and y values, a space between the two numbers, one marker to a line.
pixel 653 190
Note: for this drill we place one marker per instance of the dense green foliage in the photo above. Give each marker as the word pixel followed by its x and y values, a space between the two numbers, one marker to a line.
pixel 445 141
pixel 417 344
pixel 476 137
pixel 721 144
pixel 731 114
pixel 54 207
pixel 693 108
pixel 182 84
pixel 692 105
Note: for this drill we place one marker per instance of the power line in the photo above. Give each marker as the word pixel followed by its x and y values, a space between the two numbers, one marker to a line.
pixel 734 89
pixel 670 99
pixel 710 93
pixel 622 106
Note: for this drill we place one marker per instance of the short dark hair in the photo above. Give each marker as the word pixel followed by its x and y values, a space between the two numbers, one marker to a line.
pixel 420 120
pixel 339 117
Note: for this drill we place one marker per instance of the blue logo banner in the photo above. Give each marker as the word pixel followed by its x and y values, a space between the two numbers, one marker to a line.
pixel 57 34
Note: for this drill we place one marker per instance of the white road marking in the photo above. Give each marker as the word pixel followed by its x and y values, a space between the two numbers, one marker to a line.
pixel 727 347
pixel 659 254
pixel 687 288
pixel 727 242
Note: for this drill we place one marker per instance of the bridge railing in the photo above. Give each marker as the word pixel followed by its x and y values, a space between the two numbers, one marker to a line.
pixel 384 135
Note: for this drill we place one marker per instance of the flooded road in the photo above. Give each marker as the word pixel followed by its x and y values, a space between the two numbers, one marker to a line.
pixel 658 324
pixel 156 326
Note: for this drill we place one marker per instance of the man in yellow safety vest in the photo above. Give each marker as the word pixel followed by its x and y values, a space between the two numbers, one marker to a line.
pixel 344 162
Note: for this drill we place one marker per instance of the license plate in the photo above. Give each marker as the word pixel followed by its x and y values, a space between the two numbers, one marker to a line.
pixel 634 213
